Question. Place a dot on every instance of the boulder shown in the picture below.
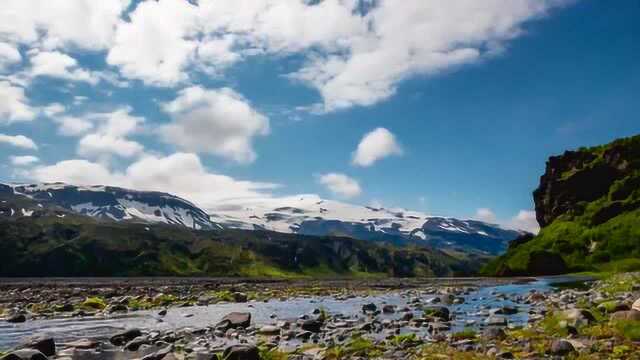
(311, 325)
(493, 333)
(235, 320)
(17, 318)
(388, 309)
(122, 338)
(241, 352)
(561, 348)
(369, 308)
(269, 330)
(578, 317)
(160, 354)
(25, 354)
(629, 315)
(441, 312)
(636, 305)
(44, 344)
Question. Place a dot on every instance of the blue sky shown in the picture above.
(269, 99)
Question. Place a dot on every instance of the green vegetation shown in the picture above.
(80, 246)
(94, 303)
(465, 334)
(601, 234)
(356, 347)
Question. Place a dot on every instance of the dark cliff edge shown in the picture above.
(588, 206)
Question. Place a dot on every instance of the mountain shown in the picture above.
(39, 238)
(302, 215)
(108, 203)
(311, 215)
(588, 205)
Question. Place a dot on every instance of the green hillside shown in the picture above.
(588, 203)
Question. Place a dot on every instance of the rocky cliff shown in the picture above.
(588, 205)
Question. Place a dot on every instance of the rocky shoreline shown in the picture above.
(598, 320)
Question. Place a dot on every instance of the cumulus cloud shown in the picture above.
(86, 24)
(14, 105)
(150, 48)
(58, 65)
(374, 146)
(25, 160)
(486, 215)
(523, 220)
(340, 184)
(215, 121)
(9, 55)
(19, 141)
(110, 136)
(181, 174)
(72, 126)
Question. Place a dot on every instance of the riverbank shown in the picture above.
(336, 319)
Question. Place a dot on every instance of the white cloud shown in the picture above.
(525, 220)
(374, 146)
(110, 137)
(54, 109)
(341, 185)
(87, 24)
(13, 104)
(414, 37)
(219, 122)
(23, 160)
(181, 174)
(58, 65)
(486, 215)
(20, 141)
(72, 126)
(9, 55)
(153, 49)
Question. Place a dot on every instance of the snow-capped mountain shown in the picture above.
(113, 203)
(311, 215)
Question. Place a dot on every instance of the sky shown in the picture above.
(450, 108)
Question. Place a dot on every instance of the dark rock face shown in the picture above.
(583, 176)
(546, 263)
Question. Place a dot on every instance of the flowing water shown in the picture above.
(471, 313)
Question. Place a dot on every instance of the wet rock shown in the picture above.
(160, 354)
(241, 352)
(117, 308)
(369, 308)
(388, 309)
(162, 312)
(44, 344)
(25, 354)
(135, 344)
(82, 344)
(122, 338)
(505, 310)
(17, 318)
(312, 325)
(496, 320)
(235, 320)
(636, 305)
(578, 317)
(269, 330)
(441, 312)
(629, 315)
(561, 347)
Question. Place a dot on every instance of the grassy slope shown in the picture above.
(80, 246)
(585, 242)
